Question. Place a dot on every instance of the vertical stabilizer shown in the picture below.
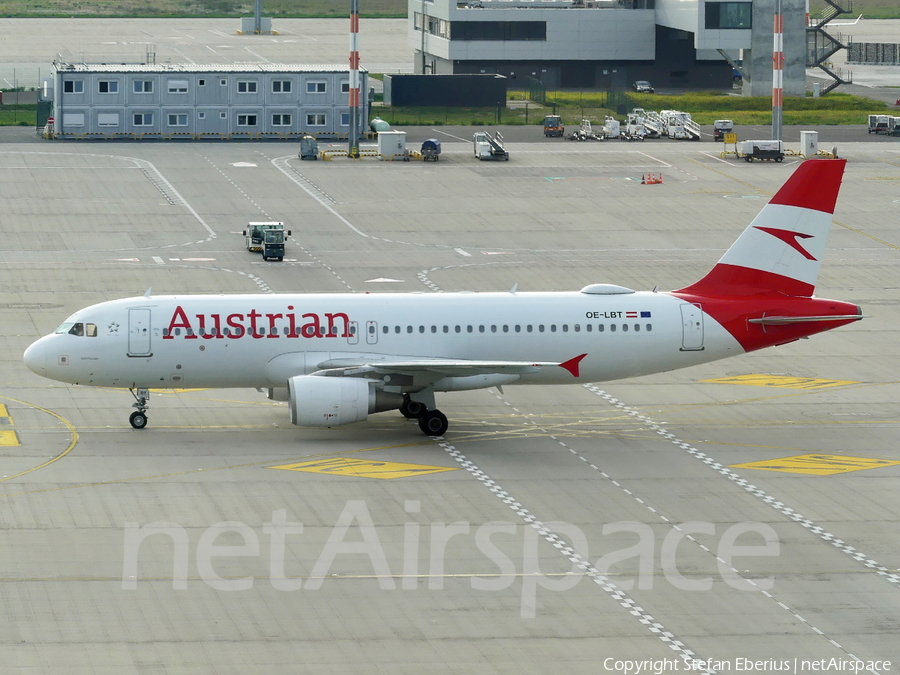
(780, 250)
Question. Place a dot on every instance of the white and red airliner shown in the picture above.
(336, 358)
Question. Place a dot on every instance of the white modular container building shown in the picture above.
(170, 101)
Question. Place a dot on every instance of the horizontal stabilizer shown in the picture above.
(783, 320)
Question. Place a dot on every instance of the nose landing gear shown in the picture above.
(138, 418)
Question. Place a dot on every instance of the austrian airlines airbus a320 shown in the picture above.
(336, 358)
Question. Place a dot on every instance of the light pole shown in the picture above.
(353, 144)
(777, 72)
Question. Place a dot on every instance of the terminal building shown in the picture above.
(201, 101)
(608, 44)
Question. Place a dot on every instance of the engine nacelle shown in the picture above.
(317, 401)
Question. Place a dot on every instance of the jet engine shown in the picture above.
(320, 401)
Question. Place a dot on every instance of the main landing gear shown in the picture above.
(431, 422)
(138, 418)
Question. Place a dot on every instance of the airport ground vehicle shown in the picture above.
(431, 150)
(488, 147)
(895, 126)
(267, 238)
(761, 150)
(642, 87)
(309, 147)
(553, 126)
(881, 124)
(722, 127)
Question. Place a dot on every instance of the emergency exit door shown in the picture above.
(139, 332)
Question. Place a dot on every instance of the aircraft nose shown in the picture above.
(35, 357)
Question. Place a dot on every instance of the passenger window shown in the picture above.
(409, 329)
(480, 329)
(469, 329)
(446, 329)
(541, 328)
(589, 327)
(166, 331)
(624, 327)
(529, 328)
(565, 328)
(434, 329)
(518, 328)
(384, 329)
(552, 327)
(421, 329)
(612, 327)
(649, 327)
(577, 328)
(600, 328)
(458, 329)
(505, 328)
(637, 327)
(493, 329)
(396, 329)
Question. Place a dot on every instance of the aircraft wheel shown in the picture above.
(433, 423)
(138, 420)
(411, 409)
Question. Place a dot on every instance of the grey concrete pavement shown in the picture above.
(446, 581)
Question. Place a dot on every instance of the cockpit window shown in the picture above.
(79, 329)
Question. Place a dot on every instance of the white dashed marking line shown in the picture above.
(753, 584)
(603, 582)
(816, 529)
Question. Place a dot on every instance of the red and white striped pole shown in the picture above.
(353, 145)
(777, 73)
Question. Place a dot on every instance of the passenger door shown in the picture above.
(139, 332)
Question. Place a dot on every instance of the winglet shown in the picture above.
(572, 364)
(514, 288)
(147, 294)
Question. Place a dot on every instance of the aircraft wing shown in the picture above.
(429, 368)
